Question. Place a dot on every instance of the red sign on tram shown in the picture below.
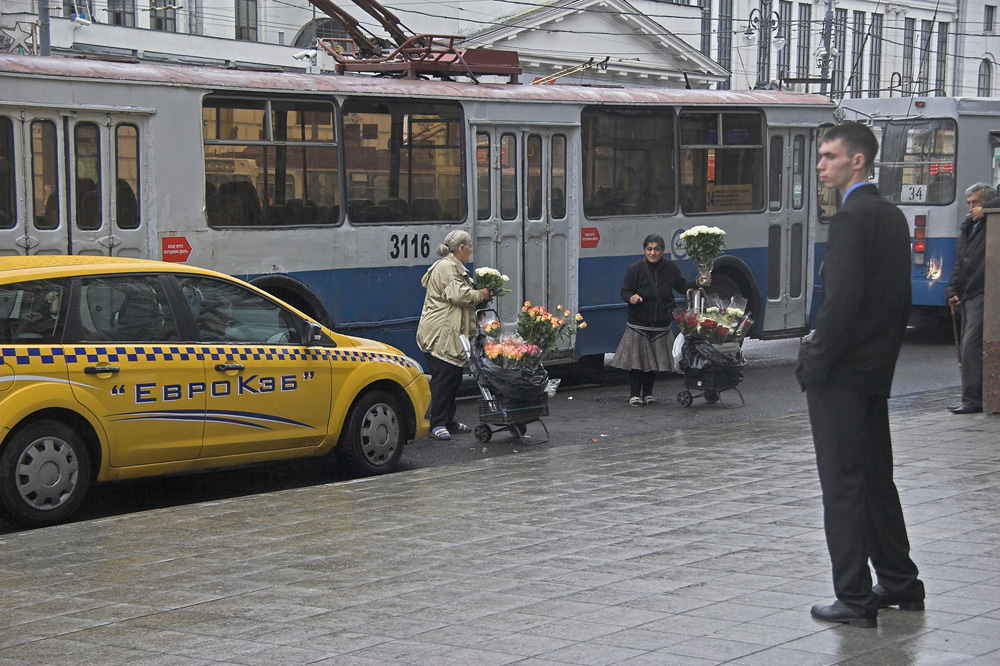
(589, 237)
(174, 249)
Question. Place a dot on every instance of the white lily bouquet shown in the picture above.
(492, 279)
(703, 245)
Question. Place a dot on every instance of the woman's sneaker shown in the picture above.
(635, 401)
(650, 400)
(440, 432)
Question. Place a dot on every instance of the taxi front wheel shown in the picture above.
(44, 473)
(372, 439)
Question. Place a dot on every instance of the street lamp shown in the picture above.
(764, 21)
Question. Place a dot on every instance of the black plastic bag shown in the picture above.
(523, 384)
(701, 354)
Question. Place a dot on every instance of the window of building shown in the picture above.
(875, 55)
(317, 28)
(725, 35)
(941, 73)
(162, 16)
(270, 162)
(246, 20)
(909, 28)
(121, 12)
(985, 86)
(628, 163)
(989, 18)
(803, 56)
(923, 75)
(857, 82)
(785, 32)
(722, 162)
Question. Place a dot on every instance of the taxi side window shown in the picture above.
(31, 312)
(226, 312)
(132, 308)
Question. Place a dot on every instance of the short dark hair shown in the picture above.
(856, 137)
(654, 238)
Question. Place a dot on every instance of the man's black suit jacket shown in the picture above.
(866, 298)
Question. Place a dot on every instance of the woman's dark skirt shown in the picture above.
(645, 351)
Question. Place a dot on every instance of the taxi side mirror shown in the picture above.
(313, 333)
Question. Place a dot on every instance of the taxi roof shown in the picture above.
(36, 266)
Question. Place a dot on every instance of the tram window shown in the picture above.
(916, 164)
(798, 171)
(776, 170)
(483, 189)
(557, 195)
(508, 177)
(722, 160)
(7, 198)
(271, 163)
(533, 179)
(127, 193)
(774, 262)
(795, 261)
(628, 163)
(87, 151)
(404, 160)
(44, 174)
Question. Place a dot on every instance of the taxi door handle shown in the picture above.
(225, 367)
(100, 369)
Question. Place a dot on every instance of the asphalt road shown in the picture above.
(589, 406)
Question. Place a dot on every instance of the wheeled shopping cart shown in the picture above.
(709, 369)
(497, 409)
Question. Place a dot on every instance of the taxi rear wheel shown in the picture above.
(44, 473)
(373, 437)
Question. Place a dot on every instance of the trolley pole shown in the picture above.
(44, 37)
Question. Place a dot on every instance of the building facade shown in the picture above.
(846, 48)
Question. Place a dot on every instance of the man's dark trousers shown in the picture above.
(972, 352)
(861, 510)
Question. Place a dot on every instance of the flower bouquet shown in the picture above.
(703, 244)
(722, 321)
(541, 328)
(490, 278)
(510, 352)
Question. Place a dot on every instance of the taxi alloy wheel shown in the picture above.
(45, 470)
(373, 437)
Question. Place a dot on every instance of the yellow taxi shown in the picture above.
(121, 368)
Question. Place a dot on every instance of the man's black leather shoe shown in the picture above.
(841, 612)
(887, 598)
(967, 410)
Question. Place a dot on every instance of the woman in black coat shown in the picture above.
(646, 347)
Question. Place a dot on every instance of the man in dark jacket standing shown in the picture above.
(846, 370)
(965, 288)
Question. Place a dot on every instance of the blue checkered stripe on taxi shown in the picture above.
(120, 354)
(30, 355)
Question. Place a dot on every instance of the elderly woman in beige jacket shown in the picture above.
(449, 310)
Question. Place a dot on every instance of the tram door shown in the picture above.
(523, 223)
(790, 166)
(76, 184)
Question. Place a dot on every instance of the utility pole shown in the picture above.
(44, 36)
(827, 36)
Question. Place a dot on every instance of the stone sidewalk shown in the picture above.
(684, 548)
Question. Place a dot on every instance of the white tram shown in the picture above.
(333, 191)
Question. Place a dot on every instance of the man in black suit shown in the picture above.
(965, 288)
(846, 370)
